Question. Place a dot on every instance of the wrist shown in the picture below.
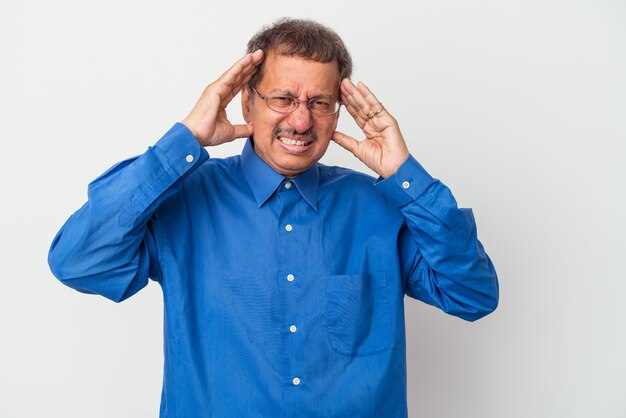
(191, 126)
(393, 168)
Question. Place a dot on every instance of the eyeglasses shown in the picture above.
(287, 104)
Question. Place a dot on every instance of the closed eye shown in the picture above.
(282, 101)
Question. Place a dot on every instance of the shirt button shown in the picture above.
(292, 328)
(288, 185)
(290, 277)
(288, 227)
(296, 381)
(189, 158)
(406, 184)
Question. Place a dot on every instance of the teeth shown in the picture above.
(289, 141)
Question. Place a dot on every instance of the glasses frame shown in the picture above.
(297, 101)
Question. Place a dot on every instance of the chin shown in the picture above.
(293, 168)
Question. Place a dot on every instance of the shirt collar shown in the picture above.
(264, 180)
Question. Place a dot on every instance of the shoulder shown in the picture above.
(214, 177)
(223, 165)
(352, 196)
(344, 182)
(216, 169)
(341, 176)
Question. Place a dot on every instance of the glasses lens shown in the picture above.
(323, 106)
(287, 104)
(283, 104)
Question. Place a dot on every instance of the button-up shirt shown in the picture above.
(283, 296)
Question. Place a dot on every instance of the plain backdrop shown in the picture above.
(518, 106)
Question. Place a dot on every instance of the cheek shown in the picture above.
(321, 146)
(326, 128)
(267, 123)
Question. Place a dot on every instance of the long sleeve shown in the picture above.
(107, 246)
(443, 263)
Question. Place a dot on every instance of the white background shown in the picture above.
(518, 106)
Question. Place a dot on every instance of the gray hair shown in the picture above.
(304, 38)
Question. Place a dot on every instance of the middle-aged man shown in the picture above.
(283, 279)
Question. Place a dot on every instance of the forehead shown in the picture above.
(297, 75)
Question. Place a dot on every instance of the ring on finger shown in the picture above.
(374, 113)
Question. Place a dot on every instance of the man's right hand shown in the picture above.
(208, 121)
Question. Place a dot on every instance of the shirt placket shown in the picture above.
(292, 236)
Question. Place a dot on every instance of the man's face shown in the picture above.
(273, 132)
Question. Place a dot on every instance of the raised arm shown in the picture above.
(107, 247)
(443, 262)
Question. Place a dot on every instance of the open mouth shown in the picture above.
(291, 141)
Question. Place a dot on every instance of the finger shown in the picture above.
(346, 86)
(232, 92)
(243, 131)
(241, 69)
(355, 98)
(227, 92)
(346, 142)
(375, 106)
(257, 56)
(358, 112)
(248, 62)
(369, 97)
(353, 112)
(366, 103)
(240, 77)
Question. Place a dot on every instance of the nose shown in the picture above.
(301, 119)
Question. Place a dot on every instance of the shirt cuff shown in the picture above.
(410, 181)
(180, 150)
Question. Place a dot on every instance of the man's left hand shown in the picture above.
(383, 150)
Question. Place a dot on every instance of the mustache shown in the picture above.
(292, 133)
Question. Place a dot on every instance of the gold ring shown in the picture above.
(374, 113)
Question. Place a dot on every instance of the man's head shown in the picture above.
(302, 60)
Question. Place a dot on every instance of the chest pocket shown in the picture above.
(357, 313)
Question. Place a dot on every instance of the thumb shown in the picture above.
(346, 142)
(242, 131)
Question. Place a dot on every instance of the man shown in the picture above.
(283, 279)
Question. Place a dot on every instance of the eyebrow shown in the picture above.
(283, 92)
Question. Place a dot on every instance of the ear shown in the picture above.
(246, 104)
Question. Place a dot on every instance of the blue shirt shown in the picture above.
(283, 297)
